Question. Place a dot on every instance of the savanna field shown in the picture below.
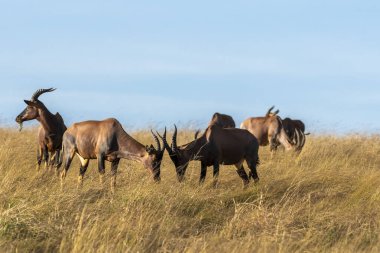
(327, 199)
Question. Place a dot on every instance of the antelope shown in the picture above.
(222, 120)
(229, 146)
(268, 130)
(50, 131)
(107, 141)
(295, 129)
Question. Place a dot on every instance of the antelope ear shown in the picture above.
(150, 149)
(32, 103)
(28, 102)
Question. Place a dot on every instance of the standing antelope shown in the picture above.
(49, 133)
(107, 141)
(268, 130)
(230, 146)
(295, 129)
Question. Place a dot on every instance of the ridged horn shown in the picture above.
(269, 111)
(303, 140)
(40, 92)
(174, 140)
(157, 141)
(297, 133)
(196, 134)
(166, 145)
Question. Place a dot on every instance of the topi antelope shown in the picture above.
(230, 146)
(107, 141)
(268, 130)
(222, 120)
(49, 133)
(295, 129)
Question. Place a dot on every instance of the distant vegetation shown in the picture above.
(325, 200)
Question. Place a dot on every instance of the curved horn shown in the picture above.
(303, 140)
(157, 141)
(40, 92)
(174, 140)
(270, 111)
(294, 137)
(196, 134)
(297, 142)
(166, 145)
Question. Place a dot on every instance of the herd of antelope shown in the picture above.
(220, 143)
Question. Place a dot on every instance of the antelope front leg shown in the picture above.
(101, 168)
(216, 174)
(272, 145)
(52, 160)
(39, 157)
(203, 173)
(82, 170)
(114, 167)
(46, 157)
(58, 161)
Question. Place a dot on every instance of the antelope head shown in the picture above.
(154, 158)
(177, 155)
(32, 110)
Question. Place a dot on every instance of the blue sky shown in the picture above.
(155, 63)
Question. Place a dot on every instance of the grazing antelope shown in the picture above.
(295, 129)
(268, 130)
(49, 133)
(222, 120)
(107, 141)
(230, 146)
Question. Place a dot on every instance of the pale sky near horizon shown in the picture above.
(156, 63)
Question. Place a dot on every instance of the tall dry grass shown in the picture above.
(325, 200)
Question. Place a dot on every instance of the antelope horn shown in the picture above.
(196, 134)
(174, 140)
(157, 141)
(303, 140)
(166, 145)
(297, 143)
(40, 92)
(270, 111)
(294, 137)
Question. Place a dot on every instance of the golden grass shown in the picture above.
(325, 200)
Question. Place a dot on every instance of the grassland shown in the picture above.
(325, 200)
